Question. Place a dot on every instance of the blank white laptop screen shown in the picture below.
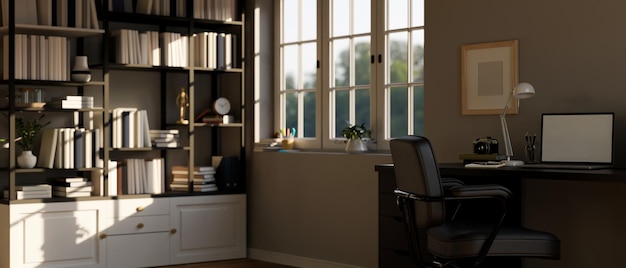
(577, 138)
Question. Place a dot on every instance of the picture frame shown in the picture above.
(488, 76)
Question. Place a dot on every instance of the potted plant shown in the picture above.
(27, 131)
(357, 136)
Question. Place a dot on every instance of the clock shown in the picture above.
(221, 106)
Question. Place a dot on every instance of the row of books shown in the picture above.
(37, 57)
(130, 128)
(66, 13)
(167, 138)
(151, 7)
(70, 148)
(221, 10)
(202, 180)
(134, 47)
(132, 176)
(71, 102)
(212, 50)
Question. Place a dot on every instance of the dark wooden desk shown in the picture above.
(393, 247)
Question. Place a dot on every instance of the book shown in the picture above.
(71, 194)
(48, 147)
(196, 188)
(197, 170)
(71, 179)
(21, 195)
(34, 188)
(86, 188)
(71, 184)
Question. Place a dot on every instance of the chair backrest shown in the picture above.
(416, 171)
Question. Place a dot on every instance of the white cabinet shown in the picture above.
(126, 232)
(56, 234)
(208, 228)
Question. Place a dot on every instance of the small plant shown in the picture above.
(353, 132)
(27, 131)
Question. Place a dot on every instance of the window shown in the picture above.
(350, 65)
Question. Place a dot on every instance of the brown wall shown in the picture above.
(573, 52)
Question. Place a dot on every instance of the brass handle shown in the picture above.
(140, 225)
(173, 231)
(140, 209)
(103, 236)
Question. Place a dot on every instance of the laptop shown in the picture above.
(576, 141)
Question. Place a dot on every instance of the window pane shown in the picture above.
(362, 63)
(398, 59)
(418, 55)
(290, 20)
(309, 65)
(362, 17)
(291, 110)
(417, 13)
(362, 109)
(398, 111)
(290, 67)
(342, 111)
(341, 18)
(309, 115)
(418, 111)
(397, 14)
(309, 20)
(341, 60)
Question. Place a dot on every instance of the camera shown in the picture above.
(486, 145)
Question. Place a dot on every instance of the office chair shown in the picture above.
(451, 242)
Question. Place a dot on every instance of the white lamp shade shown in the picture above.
(524, 91)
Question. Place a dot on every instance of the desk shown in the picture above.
(393, 249)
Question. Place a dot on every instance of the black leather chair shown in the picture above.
(439, 241)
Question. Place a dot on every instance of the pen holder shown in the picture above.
(530, 154)
(287, 144)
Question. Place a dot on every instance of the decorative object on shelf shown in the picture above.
(521, 91)
(27, 132)
(80, 71)
(357, 136)
(221, 106)
(31, 98)
(182, 102)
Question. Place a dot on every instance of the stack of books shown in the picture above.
(203, 179)
(31, 191)
(72, 187)
(71, 102)
(168, 138)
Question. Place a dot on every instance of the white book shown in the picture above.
(144, 6)
(145, 129)
(62, 9)
(58, 154)
(143, 48)
(43, 57)
(44, 12)
(68, 148)
(78, 13)
(112, 180)
(88, 148)
(94, 15)
(25, 12)
(156, 50)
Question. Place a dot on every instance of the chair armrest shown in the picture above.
(449, 183)
(482, 191)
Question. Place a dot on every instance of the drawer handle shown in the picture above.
(103, 236)
(140, 209)
(140, 225)
(173, 231)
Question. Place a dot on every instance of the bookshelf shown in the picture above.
(120, 220)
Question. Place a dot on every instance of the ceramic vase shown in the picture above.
(27, 159)
(356, 146)
(80, 71)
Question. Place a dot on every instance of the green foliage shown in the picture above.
(353, 132)
(27, 131)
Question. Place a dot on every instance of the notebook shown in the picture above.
(576, 141)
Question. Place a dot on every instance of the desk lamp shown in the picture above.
(521, 91)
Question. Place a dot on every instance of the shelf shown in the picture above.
(59, 110)
(218, 125)
(171, 21)
(51, 30)
(52, 83)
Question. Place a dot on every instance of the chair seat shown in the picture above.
(454, 240)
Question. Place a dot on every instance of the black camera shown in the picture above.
(486, 145)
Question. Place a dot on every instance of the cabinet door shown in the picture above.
(57, 234)
(138, 250)
(208, 228)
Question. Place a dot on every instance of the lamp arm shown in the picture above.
(505, 129)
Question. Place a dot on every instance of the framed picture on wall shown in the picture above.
(488, 76)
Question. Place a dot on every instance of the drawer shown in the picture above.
(143, 224)
(392, 233)
(140, 250)
(123, 208)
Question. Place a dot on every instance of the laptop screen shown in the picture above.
(577, 138)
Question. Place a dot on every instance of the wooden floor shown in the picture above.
(243, 263)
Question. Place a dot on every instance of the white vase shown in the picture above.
(356, 146)
(80, 71)
(27, 159)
